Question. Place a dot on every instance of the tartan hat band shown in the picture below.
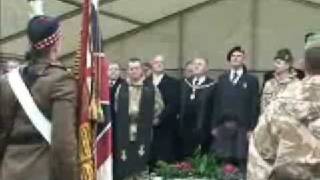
(48, 41)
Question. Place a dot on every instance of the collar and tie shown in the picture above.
(112, 82)
(196, 82)
(199, 80)
(235, 77)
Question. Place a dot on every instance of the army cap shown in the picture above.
(285, 55)
(313, 41)
(43, 31)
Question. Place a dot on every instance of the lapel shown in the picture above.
(207, 81)
(118, 81)
(243, 81)
(240, 81)
(226, 77)
(162, 82)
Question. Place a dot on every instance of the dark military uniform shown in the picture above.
(25, 154)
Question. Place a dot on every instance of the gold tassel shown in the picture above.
(76, 66)
(93, 109)
(100, 114)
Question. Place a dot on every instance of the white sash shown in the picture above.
(40, 122)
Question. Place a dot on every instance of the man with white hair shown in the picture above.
(164, 133)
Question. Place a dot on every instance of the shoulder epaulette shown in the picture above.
(60, 66)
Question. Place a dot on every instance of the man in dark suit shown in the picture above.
(164, 133)
(196, 109)
(237, 97)
(114, 81)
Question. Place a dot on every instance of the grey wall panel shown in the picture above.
(212, 30)
(207, 31)
(14, 14)
(18, 46)
(148, 10)
(283, 23)
(159, 39)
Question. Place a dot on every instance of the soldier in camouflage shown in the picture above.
(284, 74)
(286, 142)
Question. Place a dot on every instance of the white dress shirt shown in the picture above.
(200, 80)
(157, 79)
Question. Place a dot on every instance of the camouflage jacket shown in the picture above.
(288, 134)
(273, 87)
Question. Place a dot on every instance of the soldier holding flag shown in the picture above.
(37, 115)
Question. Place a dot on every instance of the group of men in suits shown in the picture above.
(219, 115)
(199, 112)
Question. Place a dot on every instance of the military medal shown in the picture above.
(193, 94)
(141, 151)
(133, 131)
(123, 155)
(245, 85)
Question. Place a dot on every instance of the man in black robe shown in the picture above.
(138, 104)
(196, 109)
(164, 133)
(236, 110)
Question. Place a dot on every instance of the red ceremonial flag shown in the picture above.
(95, 132)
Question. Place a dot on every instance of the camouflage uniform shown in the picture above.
(288, 134)
(273, 87)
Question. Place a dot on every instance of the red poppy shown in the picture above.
(230, 169)
(184, 166)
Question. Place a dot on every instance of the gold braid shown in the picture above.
(76, 65)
